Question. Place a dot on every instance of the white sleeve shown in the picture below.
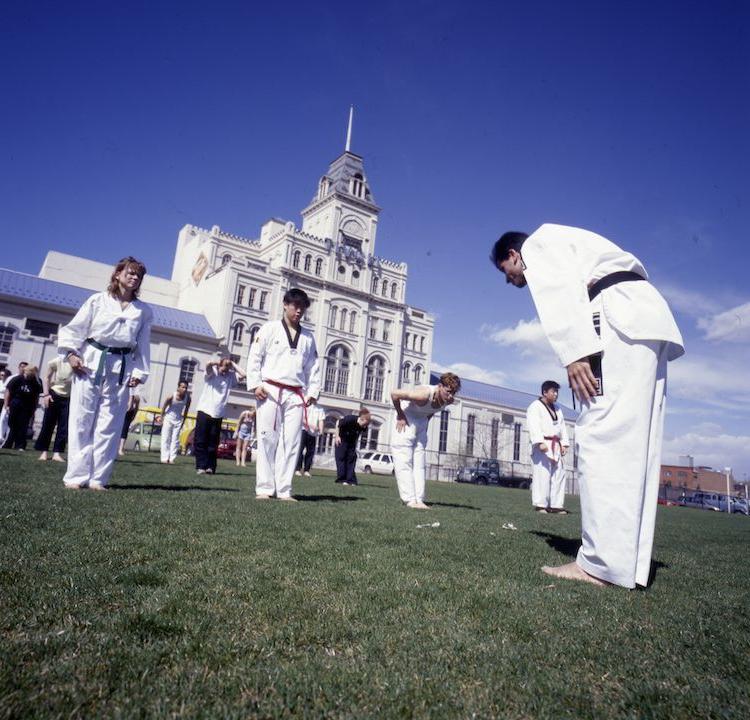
(560, 295)
(533, 424)
(142, 353)
(72, 336)
(312, 372)
(255, 358)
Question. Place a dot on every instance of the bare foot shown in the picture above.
(43, 456)
(262, 497)
(58, 458)
(416, 505)
(288, 499)
(573, 571)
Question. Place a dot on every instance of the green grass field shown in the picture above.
(176, 595)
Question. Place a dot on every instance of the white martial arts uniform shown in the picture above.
(618, 434)
(408, 447)
(4, 429)
(98, 402)
(547, 425)
(279, 418)
(171, 423)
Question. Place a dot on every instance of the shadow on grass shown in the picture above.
(173, 488)
(453, 505)
(328, 498)
(563, 545)
(656, 565)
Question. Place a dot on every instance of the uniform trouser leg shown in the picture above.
(170, 439)
(174, 445)
(619, 444)
(541, 479)
(403, 464)
(557, 486)
(278, 429)
(96, 416)
(200, 440)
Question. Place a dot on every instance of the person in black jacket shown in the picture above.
(21, 398)
(348, 430)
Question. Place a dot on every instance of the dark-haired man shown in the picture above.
(549, 443)
(283, 372)
(348, 430)
(614, 333)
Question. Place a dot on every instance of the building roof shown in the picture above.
(495, 395)
(22, 286)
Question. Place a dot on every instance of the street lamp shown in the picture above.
(728, 472)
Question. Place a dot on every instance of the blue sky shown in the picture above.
(123, 123)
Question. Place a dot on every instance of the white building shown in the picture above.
(224, 286)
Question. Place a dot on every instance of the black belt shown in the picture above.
(613, 279)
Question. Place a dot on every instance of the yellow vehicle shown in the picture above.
(151, 414)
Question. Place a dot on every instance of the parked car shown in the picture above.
(714, 501)
(144, 436)
(486, 472)
(228, 446)
(378, 463)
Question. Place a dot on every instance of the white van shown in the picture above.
(375, 462)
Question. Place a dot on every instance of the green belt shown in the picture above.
(103, 359)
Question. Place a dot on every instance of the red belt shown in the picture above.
(297, 390)
(555, 441)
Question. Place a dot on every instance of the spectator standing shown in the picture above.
(244, 434)
(348, 430)
(21, 399)
(5, 376)
(56, 401)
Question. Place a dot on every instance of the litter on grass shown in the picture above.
(509, 526)
(435, 524)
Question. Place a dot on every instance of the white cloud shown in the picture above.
(714, 449)
(689, 302)
(473, 372)
(527, 336)
(716, 380)
(732, 325)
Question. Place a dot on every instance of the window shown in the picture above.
(369, 439)
(386, 330)
(40, 328)
(358, 185)
(318, 266)
(337, 370)
(342, 270)
(251, 297)
(240, 294)
(394, 290)
(517, 441)
(406, 373)
(308, 262)
(414, 339)
(187, 370)
(237, 331)
(494, 432)
(332, 316)
(355, 278)
(406, 340)
(373, 328)
(263, 297)
(443, 440)
(471, 421)
(343, 319)
(374, 288)
(353, 322)
(375, 378)
(295, 258)
(507, 419)
(385, 288)
(421, 344)
(253, 333)
(226, 259)
(417, 374)
(6, 338)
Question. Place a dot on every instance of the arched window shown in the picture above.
(323, 187)
(237, 330)
(187, 370)
(337, 370)
(353, 322)
(374, 290)
(417, 374)
(343, 319)
(406, 373)
(369, 438)
(308, 262)
(394, 290)
(318, 266)
(421, 344)
(226, 259)
(333, 312)
(295, 258)
(375, 378)
(358, 185)
(384, 292)
(253, 332)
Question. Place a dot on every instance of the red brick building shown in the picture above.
(696, 478)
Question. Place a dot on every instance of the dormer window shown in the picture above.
(358, 185)
(323, 186)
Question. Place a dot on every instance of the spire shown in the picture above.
(349, 129)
